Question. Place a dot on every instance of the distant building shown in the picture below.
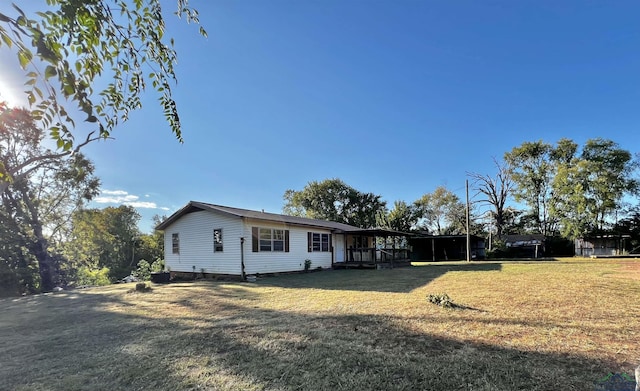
(445, 247)
(601, 245)
(525, 246)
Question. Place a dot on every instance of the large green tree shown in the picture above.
(41, 198)
(334, 200)
(70, 45)
(590, 185)
(532, 171)
(441, 212)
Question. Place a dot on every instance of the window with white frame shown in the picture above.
(175, 243)
(271, 239)
(217, 240)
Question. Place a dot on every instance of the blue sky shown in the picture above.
(393, 97)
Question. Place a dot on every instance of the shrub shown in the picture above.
(498, 250)
(157, 265)
(143, 272)
(89, 276)
(307, 265)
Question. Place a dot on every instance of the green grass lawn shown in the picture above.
(558, 325)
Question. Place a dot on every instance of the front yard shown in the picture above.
(558, 325)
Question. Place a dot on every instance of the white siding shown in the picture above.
(273, 262)
(196, 243)
(195, 232)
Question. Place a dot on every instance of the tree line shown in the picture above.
(440, 212)
(560, 190)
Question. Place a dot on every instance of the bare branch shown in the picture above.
(496, 191)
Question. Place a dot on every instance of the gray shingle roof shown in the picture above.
(193, 206)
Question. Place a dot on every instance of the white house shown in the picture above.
(216, 239)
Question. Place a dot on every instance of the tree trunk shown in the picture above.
(40, 247)
(499, 224)
(45, 265)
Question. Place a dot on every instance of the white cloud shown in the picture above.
(122, 197)
(142, 204)
(116, 199)
(115, 192)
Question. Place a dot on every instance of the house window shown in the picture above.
(175, 243)
(217, 240)
(270, 239)
(318, 242)
(278, 240)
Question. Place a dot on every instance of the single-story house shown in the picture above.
(445, 247)
(221, 240)
(601, 245)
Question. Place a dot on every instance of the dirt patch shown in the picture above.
(630, 270)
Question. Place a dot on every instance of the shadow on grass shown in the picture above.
(93, 341)
(526, 260)
(399, 280)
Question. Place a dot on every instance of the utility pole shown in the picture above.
(468, 224)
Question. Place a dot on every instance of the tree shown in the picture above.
(591, 186)
(38, 203)
(334, 200)
(69, 46)
(402, 217)
(18, 267)
(532, 171)
(515, 221)
(496, 191)
(441, 212)
(151, 246)
(105, 238)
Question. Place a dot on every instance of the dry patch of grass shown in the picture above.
(630, 270)
(521, 326)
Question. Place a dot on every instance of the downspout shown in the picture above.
(244, 276)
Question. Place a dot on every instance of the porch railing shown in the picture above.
(376, 255)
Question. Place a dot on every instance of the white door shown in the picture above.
(338, 247)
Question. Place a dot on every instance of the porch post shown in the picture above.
(433, 249)
(375, 252)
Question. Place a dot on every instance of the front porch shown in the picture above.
(372, 258)
(374, 248)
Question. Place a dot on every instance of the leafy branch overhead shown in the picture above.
(70, 45)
